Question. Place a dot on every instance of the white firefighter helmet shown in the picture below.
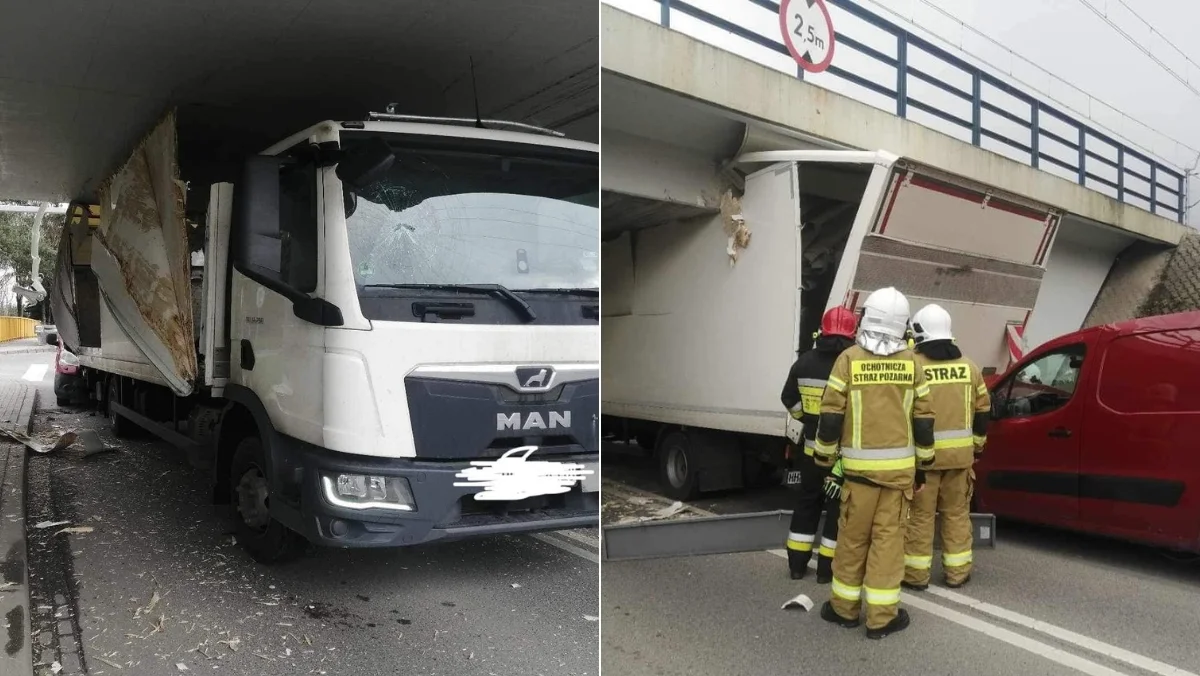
(884, 324)
(931, 322)
(886, 312)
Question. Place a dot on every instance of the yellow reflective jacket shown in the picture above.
(960, 398)
(868, 413)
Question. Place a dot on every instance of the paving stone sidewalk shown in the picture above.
(16, 411)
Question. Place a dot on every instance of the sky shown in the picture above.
(1058, 50)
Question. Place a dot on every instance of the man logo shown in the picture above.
(534, 377)
(533, 421)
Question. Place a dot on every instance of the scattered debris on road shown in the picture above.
(801, 601)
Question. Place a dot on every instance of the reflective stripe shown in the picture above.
(955, 560)
(797, 415)
(925, 454)
(828, 547)
(824, 449)
(844, 591)
(918, 562)
(965, 442)
(923, 391)
(811, 382)
(836, 383)
(979, 441)
(981, 390)
(908, 407)
(952, 439)
(798, 407)
(882, 597)
(800, 542)
(851, 453)
(810, 446)
(968, 409)
(880, 465)
(951, 434)
(856, 415)
(878, 459)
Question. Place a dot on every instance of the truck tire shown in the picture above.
(678, 467)
(121, 428)
(267, 540)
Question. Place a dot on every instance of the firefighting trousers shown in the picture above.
(802, 538)
(948, 492)
(870, 552)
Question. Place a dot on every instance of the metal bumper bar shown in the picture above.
(730, 534)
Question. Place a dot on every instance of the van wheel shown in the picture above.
(121, 427)
(678, 467)
(267, 540)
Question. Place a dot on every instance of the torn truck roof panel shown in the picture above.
(140, 257)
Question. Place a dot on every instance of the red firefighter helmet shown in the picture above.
(839, 321)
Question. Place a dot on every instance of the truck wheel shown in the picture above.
(267, 540)
(678, 467)
(121, 428)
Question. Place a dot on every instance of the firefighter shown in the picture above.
(802, 397)
(877, 421)
(962, 407)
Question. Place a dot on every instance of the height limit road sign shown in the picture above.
(807, 32)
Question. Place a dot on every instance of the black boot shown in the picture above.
(898, 623)
(824, 570)
(799, 574)
(830, 615)
(798, 563)
(914, 587)
(960, 584)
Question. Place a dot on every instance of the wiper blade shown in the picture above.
(595, 293)
(498, 290)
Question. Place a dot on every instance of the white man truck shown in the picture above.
(704, 317)
(341, 327)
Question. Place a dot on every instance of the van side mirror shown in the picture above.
(366, 163)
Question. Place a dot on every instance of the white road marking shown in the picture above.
(566, 547)
(579, 537)
(36, 372)
(999, 633)
(1133, 659)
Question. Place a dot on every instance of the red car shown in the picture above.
(69, 387)
(1099, 431)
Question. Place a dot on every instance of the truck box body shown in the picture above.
(356, 330)
(693, 339)
(1095, 431)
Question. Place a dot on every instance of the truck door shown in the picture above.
(1030, 468)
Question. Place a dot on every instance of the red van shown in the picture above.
(1099, 431)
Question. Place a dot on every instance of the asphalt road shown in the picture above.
(158, 583)
(1042, 602)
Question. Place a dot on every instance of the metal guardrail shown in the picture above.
(13, 328)
(1082, 150)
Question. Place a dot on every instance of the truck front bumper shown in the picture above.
(441, 510)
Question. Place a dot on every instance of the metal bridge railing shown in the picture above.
(1048, 138)
(12, 328)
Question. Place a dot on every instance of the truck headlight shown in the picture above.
(368, 491)
(68, 359)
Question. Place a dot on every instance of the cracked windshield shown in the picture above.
(525, 219)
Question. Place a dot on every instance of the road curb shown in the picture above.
(16, 658)
(28, 350)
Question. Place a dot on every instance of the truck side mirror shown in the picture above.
(258, 245)
(366, 163)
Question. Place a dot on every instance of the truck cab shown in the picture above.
(383, 309)
(1093, 431)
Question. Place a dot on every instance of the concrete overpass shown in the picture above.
(82, 80)
(677, 109)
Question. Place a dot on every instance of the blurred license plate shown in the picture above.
(793, 478)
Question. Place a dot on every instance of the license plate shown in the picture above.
(793, 478)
